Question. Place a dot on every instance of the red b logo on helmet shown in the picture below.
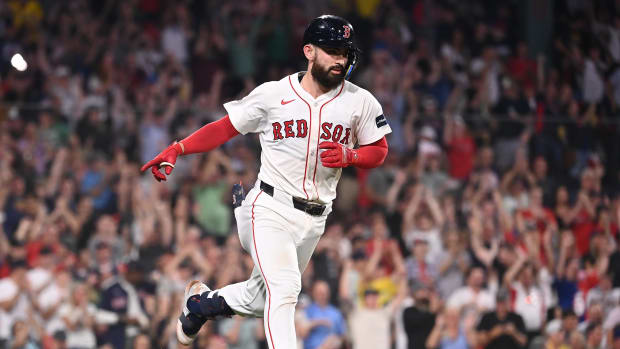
(347, 31)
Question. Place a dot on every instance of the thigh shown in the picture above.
(306, 248)
(272, 247)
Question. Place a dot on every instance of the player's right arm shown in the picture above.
(244, 116)
(204, 139)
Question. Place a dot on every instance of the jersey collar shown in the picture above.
(324, 97)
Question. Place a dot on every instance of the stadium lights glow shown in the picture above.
(18, 62)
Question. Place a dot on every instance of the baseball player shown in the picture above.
(309, 123)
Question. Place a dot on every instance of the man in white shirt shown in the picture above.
(529, 299)
(13, 301)
(472, 294)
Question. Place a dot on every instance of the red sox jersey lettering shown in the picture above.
(302, 131)
(291, 124)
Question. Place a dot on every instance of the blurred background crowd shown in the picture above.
(492, 224)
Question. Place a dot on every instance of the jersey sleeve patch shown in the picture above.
(381, 121)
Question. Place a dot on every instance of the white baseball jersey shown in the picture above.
(292, 123)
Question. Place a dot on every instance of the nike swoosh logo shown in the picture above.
(283, 102)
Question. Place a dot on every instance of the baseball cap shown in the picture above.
(503, 294)
(616, 331)
(568, 313)
(419, 286)
(136, 266)
(186, 263)
(62, 71)
(371, 291)
(18, 263)
(101, 245)
(553, 326)
(358, 255)
(428, 132)
(46, 250)
(60, 335)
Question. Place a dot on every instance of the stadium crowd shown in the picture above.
(492, 224)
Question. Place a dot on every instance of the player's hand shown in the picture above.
(167, 158)
(336, 155)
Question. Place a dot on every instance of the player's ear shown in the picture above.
(309, 52)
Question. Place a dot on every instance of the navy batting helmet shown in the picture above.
(333, 31)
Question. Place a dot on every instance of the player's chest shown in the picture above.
(296, 119)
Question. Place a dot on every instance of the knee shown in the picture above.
(285, 291)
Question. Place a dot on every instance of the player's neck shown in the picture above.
(310, 85)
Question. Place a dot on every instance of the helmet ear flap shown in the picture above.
(352, 62)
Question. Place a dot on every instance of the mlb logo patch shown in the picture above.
(380, 120)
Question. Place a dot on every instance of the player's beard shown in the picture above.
(323, 75)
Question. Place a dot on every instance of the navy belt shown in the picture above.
(310, 208)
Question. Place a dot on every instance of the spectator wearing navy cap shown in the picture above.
(501, 328)
(615, 336)
(419, 319)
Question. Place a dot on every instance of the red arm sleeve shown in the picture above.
(371, 155)
(209, 136)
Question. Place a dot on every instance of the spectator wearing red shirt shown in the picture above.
(460, 147)
(539, 220)
(522, 68)
(585, 208)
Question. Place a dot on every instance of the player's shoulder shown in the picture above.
(271, 88)
(268, 87)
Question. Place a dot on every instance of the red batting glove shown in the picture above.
(337, 155)
(167, 158)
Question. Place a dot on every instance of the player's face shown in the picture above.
(328, 66)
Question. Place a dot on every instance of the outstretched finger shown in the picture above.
(149, 164)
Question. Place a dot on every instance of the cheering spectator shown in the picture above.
(449, 333)
(241, 333)
(326, 327)
(419, 270)
(501, 328)
(461, 147)
(452, 265)
(472, 294)
(529, 298)
(370, 323)
(567, 268)
(594, 336)
(13, 303)
(419, 319)
(89, 250)
(422, 220)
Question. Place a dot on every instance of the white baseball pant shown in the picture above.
(281, 240)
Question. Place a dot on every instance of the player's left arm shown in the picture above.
(369, 127)
(366, 156)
